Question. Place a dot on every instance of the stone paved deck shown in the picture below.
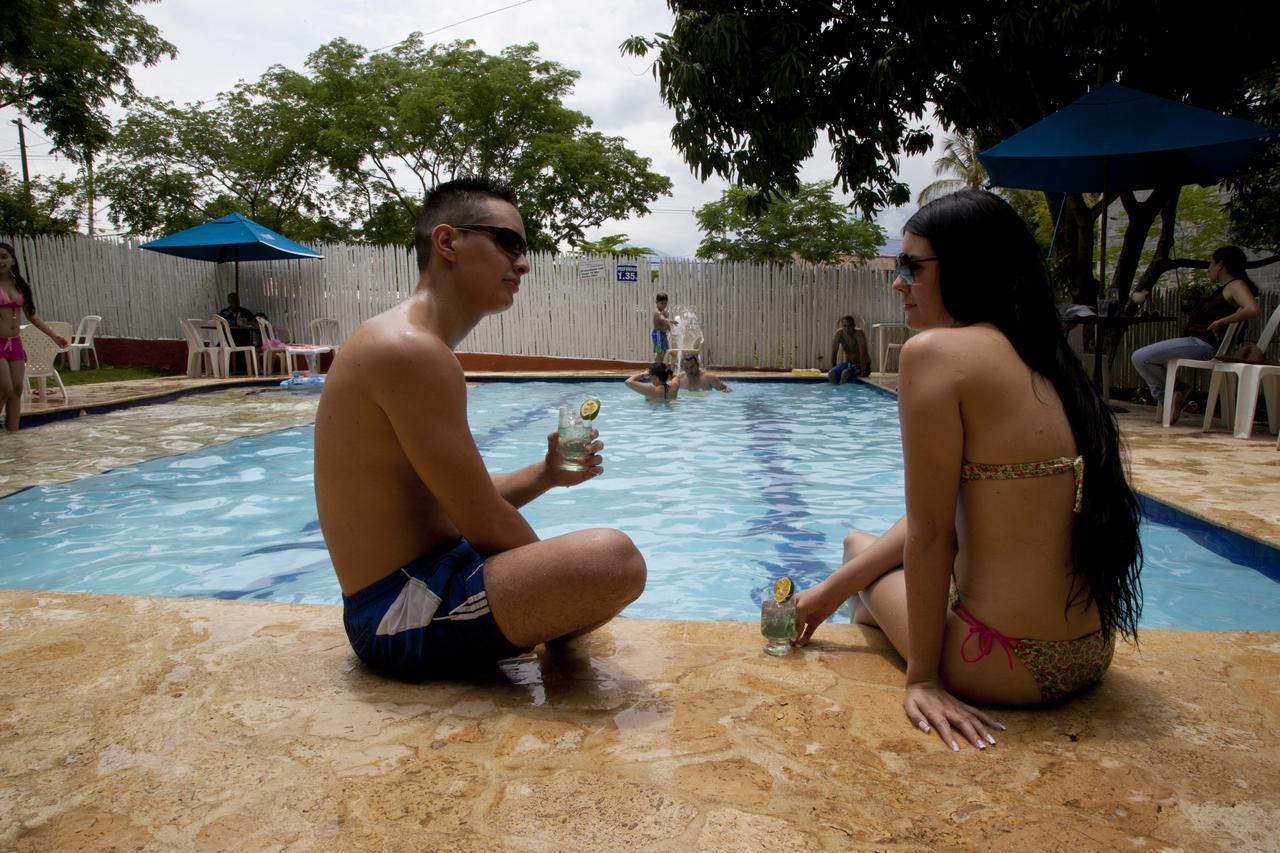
(171, 724)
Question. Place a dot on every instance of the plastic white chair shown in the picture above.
(1172, 367)
(41, 351)
(83, 341)
(1249, 379)
(885, 347)
(270, 353)
(227, 346)
(325, 332)
(200, 356)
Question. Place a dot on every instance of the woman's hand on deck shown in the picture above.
(813, 607)
(930, 707)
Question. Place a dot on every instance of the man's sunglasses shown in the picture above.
(907, 266)
(508, 240)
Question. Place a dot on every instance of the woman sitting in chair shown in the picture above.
(1235, 299)
(16, 299)
(1017, 562)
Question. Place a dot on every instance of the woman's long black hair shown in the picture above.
(659, 371)
(28, 300)
(1233, 258)
(991, 271)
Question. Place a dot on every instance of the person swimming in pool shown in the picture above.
(440, 573)
(694, 378)
(1018, 560)
(655, 383)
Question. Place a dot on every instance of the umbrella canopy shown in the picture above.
(231, 238)
(1116, 138)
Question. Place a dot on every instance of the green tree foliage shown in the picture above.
(754, 83)
(1255, 200)
(172, 167)
(50, 210)
(808, 224)
(62, 61)
(393, 124)
(612, 244)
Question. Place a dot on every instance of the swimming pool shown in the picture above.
(721, 492)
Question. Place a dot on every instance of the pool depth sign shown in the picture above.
(628, 272)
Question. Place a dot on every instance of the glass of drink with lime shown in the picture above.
(575, 434)
(778, 617)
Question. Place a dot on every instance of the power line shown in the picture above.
(459, 23)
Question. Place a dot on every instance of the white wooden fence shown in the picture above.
(573, 306)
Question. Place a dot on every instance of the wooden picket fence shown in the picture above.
(751, 315)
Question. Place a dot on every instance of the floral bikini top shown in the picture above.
(1026, 470)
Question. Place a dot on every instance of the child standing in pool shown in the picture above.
(662, 323)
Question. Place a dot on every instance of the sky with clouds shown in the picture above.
(221, 43)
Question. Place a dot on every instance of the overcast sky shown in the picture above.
(221, 43)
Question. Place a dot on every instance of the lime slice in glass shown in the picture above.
(783, 589)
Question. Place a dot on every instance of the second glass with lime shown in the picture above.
(778, 617)
(575, 434)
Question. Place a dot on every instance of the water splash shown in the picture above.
(687, 335)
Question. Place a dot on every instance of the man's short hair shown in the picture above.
(455, 203)
(849, 319)
(661, 297)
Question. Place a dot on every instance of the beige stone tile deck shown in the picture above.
(167, 724)
(172, 724)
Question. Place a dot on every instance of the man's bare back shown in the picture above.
(422, 537)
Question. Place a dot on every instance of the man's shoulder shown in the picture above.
(391, 343)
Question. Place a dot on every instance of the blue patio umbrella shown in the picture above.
(232, 238)
(1116, 138)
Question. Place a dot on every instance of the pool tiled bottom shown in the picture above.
(160, 724)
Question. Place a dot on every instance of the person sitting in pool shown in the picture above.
(694, 378)
(655, 383)
(857, 358)
(1015, 488)
(440, 573)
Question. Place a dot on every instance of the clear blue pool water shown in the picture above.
(721, 492)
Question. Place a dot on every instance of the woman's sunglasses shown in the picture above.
(907, 266)
(508, 240)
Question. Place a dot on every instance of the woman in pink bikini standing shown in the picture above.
(1018, 560)
(15, 300)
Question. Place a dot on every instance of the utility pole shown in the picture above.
(26, 174)
(88, 170)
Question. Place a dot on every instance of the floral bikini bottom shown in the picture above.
(1059, 667)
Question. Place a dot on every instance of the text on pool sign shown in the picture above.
(628, 272)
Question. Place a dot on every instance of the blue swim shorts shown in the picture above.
(845, 365)
(428, 620)
(659, 339)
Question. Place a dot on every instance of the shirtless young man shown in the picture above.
(694, 378)
(441, 575)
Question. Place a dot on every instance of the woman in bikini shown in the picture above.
(15, 300)
(655, 383)
(1017, 562)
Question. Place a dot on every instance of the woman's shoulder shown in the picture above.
(967, 340)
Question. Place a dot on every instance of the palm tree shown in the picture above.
(959, 158)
